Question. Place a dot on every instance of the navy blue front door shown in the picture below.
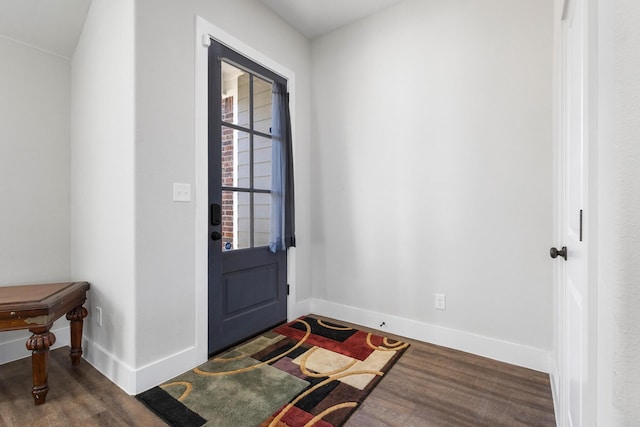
(247, 282)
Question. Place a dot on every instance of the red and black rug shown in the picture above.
(305, 373)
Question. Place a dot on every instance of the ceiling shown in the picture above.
(314, 18)
(55, 25)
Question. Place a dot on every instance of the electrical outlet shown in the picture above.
(99, 316)
(441, 302)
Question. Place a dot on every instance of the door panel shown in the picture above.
(246, 305)
(573, 216)
(247, 282)
(238, 289)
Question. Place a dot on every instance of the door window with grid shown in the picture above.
(246, 158)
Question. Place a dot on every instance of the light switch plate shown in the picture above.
(181, 192)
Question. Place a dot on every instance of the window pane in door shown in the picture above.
(236, 220)
(235, 158)
(262, 163)
(243, 220)
(228, 220)
(235, 95)
(261, 105)
(262, 219)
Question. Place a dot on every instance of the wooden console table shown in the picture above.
(36, 307)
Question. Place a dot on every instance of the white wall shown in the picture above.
(432, 172)
(102, 183)
(618, 381)
(34, 165)
(34, 171)
(431, 169)
(166, 288)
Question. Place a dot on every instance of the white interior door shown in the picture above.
(573, 218)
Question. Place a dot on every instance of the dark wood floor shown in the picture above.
(78, 396)
(429, 386)
(437, 386)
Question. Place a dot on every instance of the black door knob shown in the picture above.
(562, 252)
(216, 236)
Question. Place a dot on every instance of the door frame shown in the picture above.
(204, 32)
(559, 371)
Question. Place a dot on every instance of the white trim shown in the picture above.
(554, 379)
(32, 46)
(300, 308)
(206, 29)
(591, 398)
(201, 191)
(15, 349)
(503, 351)
(206, 40)
(123, 375)
(133, 381)
(168, 367)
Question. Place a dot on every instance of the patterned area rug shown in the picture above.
(305, 373)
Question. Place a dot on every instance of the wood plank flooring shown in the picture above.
(436, 386)
(429, 386)
(78, 396)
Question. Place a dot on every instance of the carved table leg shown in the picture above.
(75, 317)
(39, 344)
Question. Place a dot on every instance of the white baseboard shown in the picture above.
(300, 308)
(117, 371)
(162, 370)
(134, 381)
(110, 366)
(15, 349)
(555, 391)
(504, 351)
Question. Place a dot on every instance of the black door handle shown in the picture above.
(562, 252)
(216, 214)
(216, 236)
